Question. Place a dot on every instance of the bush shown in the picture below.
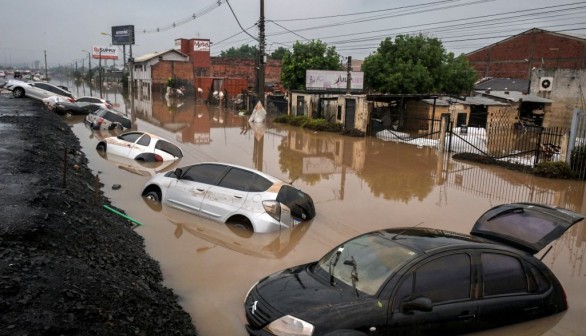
(554, 170)
(312, 124)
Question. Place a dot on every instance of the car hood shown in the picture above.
(296, 291)
(526, 226)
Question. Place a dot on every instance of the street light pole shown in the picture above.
(100, 70)
(89, 62)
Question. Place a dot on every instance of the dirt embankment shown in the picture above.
(67, 265)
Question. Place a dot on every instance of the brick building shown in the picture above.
(519, 55)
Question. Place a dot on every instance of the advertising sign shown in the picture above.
(99, 52)
(123, 35)
(332, 80)
(201, 45)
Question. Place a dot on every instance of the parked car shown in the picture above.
(103, 103)
(415, 281)
(232, 194)
(141, 146)
(138, 167)
(76, 108)
(107, 119)
(36, 90)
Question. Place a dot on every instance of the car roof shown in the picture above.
(152, 135)
(425, 240)
(265, 175)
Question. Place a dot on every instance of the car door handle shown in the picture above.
(199, 189)
(466, 316)
(237, 196)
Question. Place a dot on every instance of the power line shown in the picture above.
(185, 20)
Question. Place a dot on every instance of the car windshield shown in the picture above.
(364, 263)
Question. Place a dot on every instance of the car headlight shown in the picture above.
(289, 326)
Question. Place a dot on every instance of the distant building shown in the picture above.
(518, 56)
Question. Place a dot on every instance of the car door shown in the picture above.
(123, 144)
(140, 146)
(229, 195)
(37, 91)
(188, 190)
(509, 292)
(447, 281)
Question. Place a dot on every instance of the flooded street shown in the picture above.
(357, 184)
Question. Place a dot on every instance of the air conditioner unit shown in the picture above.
(545, 83)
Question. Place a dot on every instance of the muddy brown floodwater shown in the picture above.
(358, 185)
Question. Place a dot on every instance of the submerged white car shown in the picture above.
(232, 194)
(141, 146)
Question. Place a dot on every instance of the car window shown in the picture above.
(502, 274)
(443, 279)
(237, 179)
(204, 173)
(168, 147)
(365, 262)
(145, 140)
(259, 184)
(89, 100)
(130, 137)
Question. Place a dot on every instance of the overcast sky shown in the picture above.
(63, 28)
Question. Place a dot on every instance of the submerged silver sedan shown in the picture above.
(232, 194)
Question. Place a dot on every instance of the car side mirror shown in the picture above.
(178, 172)
(421, 303)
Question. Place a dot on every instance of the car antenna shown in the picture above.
(400, 233)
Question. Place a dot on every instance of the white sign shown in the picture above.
(332, 80)
(201, 45)
(177, 44)
(104, 52)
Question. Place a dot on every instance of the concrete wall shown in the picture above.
(565, 93)
(245, 68)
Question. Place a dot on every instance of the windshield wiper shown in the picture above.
(333, 263)
(354, 273)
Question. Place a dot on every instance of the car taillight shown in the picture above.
(100, 121)
(109, 106)
(71, 100)
(158, 158)
(273, 208)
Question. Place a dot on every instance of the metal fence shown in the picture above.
(512, 142)
(577, 143)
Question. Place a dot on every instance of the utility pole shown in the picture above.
(89, 62)
(349, 76)
(100, 69)
(46, 71)
(261, 54)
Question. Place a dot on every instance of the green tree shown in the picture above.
(416, 64)
(244, 51)
(279, 53)
(314, 55)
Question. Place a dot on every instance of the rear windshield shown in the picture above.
(169, 148)
(113, 117)
(300, 203)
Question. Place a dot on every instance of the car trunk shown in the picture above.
(526, 226)
(300, 203)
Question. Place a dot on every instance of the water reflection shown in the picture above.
(358, 184)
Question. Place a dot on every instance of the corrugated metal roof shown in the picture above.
(502, 84)
(445, 101)
(514, 96)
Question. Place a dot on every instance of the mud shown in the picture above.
(67, 265)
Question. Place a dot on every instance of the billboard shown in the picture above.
(123, 35)
(201, 45)
(332, 80)
(99, 52)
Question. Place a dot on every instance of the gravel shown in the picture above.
(68, 266)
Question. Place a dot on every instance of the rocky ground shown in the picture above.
(68, 266)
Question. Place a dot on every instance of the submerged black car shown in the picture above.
(416, 281)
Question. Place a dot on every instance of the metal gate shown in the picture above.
(577, 143)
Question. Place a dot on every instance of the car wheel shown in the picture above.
(18, 92)
(101, 147)
(153, 196)
(241, 226)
